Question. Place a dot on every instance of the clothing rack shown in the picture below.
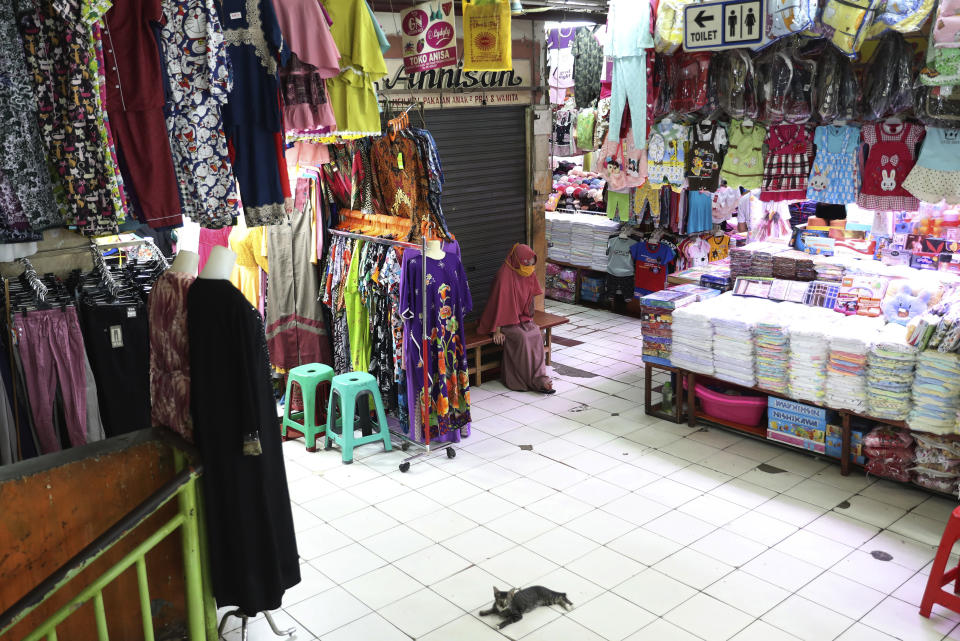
(422, 247)
(33, 279)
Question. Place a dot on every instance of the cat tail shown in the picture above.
(565, 602)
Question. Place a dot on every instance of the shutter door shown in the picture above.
(484, 156)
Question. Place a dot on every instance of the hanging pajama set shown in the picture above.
(198, 79)
(135, 104)
(252, 114)
(630, 36)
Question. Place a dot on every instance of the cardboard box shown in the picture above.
(835, 441)
(797, 424)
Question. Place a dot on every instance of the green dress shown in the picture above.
(743, 164)
(357, 324)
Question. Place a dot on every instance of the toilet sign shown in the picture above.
(729, 24)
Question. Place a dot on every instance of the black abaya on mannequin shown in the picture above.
(253, 548)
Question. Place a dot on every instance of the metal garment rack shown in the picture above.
(422, 248)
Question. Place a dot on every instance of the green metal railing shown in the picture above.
(200, 608)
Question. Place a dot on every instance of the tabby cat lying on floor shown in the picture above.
(512, 605)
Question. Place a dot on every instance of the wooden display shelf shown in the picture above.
(740, 427)
(656, 410)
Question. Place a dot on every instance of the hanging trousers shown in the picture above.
(630, 84)
(51, 347)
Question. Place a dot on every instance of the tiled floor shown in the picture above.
(655, 531)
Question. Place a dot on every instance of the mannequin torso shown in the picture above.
(219, 265)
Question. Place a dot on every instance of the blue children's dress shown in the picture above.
(835, 176)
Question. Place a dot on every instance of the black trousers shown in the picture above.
(117, 339)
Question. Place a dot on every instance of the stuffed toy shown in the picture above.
(905, 301)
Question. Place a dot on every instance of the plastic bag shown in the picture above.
(889, 80)
(690, 82)
(785, 17)
(946, 483)
(736, 85)
(887, 438)
(487, 41)
(891, 469)
(849, 22)
(837, 91)
(668, 32)
(786, 87)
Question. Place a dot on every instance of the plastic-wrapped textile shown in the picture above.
(837, 91)
(889, 78)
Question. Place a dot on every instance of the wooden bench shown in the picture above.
(476, 343)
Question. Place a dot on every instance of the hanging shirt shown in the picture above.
(629, 25)
(619, 258)
(708, 144)
(650, 273)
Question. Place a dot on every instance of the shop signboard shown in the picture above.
(454, 87)
(729, 24)
(429, 36)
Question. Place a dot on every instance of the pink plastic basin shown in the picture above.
(746, 410)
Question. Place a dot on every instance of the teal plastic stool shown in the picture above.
(307, 377)
(346, 389)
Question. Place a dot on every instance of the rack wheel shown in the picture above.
(451, 453)
(404, 466)
(404, 446)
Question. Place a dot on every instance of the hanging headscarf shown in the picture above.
(511, 298)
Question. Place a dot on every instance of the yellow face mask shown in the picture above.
(525, 270)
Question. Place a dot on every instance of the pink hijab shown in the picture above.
(511, 298)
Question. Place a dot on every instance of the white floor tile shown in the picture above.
(420, 613)
(559, 508)
(870, 511)
(680, 527)
(802, 464)
(629, 477)
(379, 489)
(328, 611)
(319, 540)
(408, 507)
(760, 452)
(451, 491)
(884, 576)
(469, 589)
(747, 593)
(662, 630)
(596, 492)
(644, 546)
(611, 616)
(860, 632)
(693, 568)
(854, 482)
(816, 549)
(726, 546)
(522, 491)
(807, 620)
(259, 630)
(518, 566)
(364, 523)
(716, 437)
(729, 463)
(896, 494)
(382, 587)
(849, 598)
(761, 631)
(441, 525)
(561, 545)
(790, 510)
(591, 462)
(479, 544)
(843, 529)
(312, 583)
(709, 618)
(483, 507)
(920, 528)
(654, 591)
(605, 567)
(819, 494)
(559, 424)
(777, 481)
(397, 543)
(530, 622)
(372, 626)
(700, 478)
(669, 492)
(559, 476)
(713, 510)
(335, 505)
(635, 508)
(499, 404)
(936, 508)
(348, 562)
(660, 462)
(521, 525)
(743, 493)
(761, 528)
(689, 450)
(558, 449)
(465, 627)
(906, 552)
(432, 564)
(562, 629)
(599, 526)
(589, 437)
(783, 570)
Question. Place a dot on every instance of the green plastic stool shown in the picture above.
(347, 388)
(308, 377)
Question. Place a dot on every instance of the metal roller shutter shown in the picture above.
(484, 156)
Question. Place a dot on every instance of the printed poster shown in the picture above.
(429, 36)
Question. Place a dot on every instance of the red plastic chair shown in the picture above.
(938, 578)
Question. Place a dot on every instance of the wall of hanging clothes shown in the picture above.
(148, 112)
(76, 361)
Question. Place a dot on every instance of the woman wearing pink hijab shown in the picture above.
(509, 317)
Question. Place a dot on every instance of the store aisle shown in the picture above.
(655, 531)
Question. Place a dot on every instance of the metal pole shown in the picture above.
(190, 538)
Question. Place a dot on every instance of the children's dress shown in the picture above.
(835, 177)
(936, 176)
(893, 152)
(789, 154)
(743, 164)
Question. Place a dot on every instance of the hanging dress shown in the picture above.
(893, 152)
(170, 353)
(743, 164)
(789, 155)
(936, 176)
(708, 144)
(835, 176)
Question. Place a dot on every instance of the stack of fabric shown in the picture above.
(805, 268)
(828, 269)
(692, 341)
(559, 236)
(761, 264)
(733, 348)
(936, 463)
(772, 341)
(809, 352)
(603, 228)
(850, 339)
(657, 322)
(890, 365)
(936, 393)
(740, 261)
